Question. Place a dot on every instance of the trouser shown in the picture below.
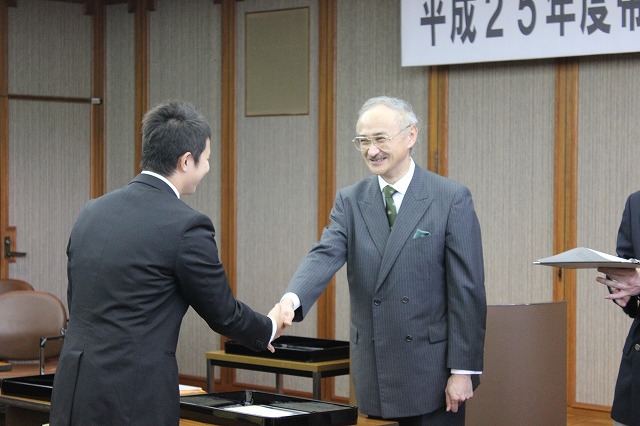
(440, 417)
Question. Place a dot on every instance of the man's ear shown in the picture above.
(183, 162)
(413, 135)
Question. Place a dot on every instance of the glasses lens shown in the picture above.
(362, 144)
(381, 141)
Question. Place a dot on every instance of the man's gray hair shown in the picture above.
(408, 117)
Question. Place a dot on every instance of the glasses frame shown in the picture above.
(370, 140)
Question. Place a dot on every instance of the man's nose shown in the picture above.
(373, 150)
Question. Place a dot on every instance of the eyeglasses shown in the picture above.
(363, 143)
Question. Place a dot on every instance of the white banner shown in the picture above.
(438, 32)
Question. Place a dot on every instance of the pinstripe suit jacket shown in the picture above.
(417, 298)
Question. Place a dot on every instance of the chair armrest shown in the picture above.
(43, 342)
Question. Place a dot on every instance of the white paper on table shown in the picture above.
(263, 411)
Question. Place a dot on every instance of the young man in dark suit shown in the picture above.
(415, 273)
(624, 285)
(138, 257)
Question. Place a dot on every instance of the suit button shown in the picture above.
(405, 299)
(377, 302)
(408, 338)
(637, 347)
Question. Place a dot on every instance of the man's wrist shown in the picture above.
(295, 300)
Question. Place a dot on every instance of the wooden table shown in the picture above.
(362, 421)
(21, 411)
(315, 370)
(32, 412)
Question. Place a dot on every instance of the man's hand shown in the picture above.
(459, 389)
(287, 312)
(623, 284)
(280, 314)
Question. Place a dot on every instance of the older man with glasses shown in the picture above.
(411, 241)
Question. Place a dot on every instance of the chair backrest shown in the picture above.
(10, 284)
(25, 317)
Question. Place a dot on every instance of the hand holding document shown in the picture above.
(623, 284)
(582, 257)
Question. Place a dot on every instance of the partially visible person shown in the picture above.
(416, 277)
(624, 288)
(137, 258)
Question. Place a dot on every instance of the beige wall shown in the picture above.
(501, 146)
(501, 138)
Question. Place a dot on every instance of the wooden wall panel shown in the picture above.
(501, 145)
(49, 49)
(120, 96)
(49, 177)
(276, 190)
(49, 134)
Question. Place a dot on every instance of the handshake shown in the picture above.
(282, 313)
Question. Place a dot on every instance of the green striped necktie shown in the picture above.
(391, 207)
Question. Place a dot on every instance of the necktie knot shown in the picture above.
(390, 205)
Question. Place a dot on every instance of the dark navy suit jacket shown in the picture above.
(626, 402)
(137, 258)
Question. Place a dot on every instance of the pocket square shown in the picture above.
(420, 233)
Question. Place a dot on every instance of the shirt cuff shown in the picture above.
(294, 297)
(274, 328)
(454, 371)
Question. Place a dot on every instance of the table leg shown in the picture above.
(210, 376)
(17, 416)
(317, 386)
(278, 383)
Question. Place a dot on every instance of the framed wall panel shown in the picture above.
(277, 62)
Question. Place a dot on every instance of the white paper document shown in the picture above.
(582, 257)
(189, 390)
(263, 411)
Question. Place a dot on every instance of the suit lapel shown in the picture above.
(373, 212)
(415, 204)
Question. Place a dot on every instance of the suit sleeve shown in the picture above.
(624, 244)
(204, 285)
(467, 305)
(325, 258)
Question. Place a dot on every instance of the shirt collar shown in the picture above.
(403, 184)
(164, 179)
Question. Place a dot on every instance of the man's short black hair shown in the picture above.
(168, 131)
